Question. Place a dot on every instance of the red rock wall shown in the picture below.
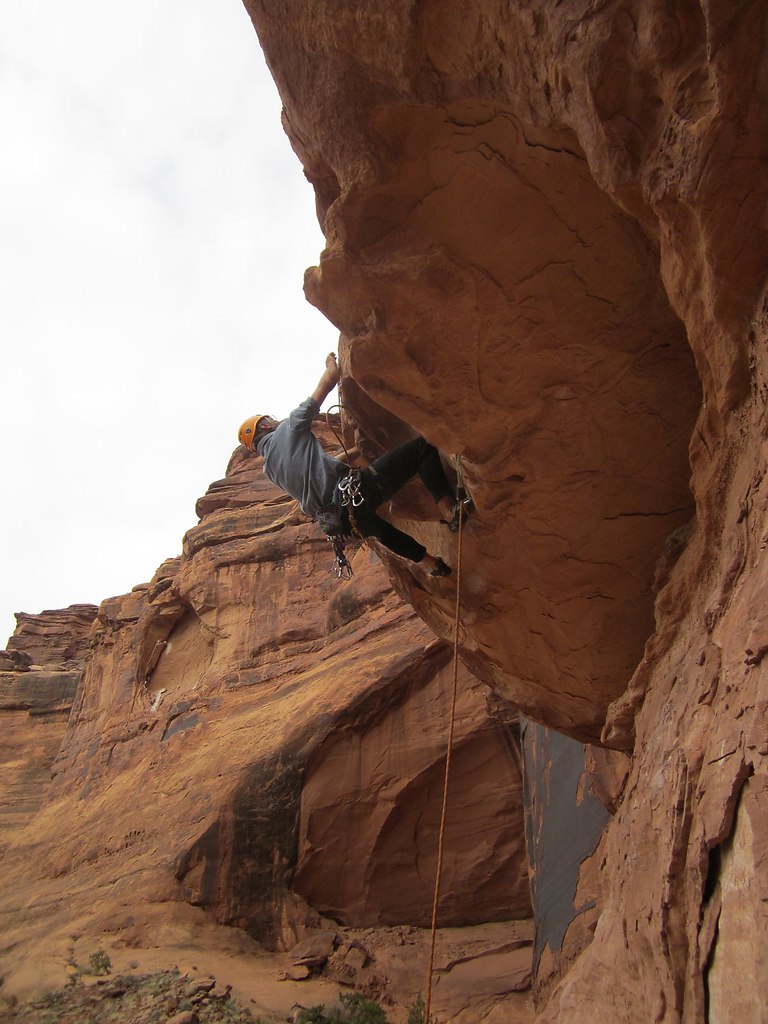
(381, 781)
(39, 673)
(546, 249)
(216, 704)
(494, 296)
(53, 637)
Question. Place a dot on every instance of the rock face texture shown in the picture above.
(257, 743)
(39, 673)
(58, 639)
(546, 250)
(499, 300)
(391, 804)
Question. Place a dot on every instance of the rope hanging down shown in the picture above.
(449, 751)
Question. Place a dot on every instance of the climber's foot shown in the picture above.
(462, 509)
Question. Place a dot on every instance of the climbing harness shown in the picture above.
(330, 518)
(352, 497)
(449, 751)
(331, 523)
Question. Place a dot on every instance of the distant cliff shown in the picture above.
(39, 674)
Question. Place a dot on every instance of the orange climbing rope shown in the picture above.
(449, 751)
(441, 838)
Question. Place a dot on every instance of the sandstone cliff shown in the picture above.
(256, 744)
(546, 250)
(39, 673)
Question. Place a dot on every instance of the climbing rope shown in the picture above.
(333, 429)
(449, 751)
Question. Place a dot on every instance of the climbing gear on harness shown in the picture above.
(341, 567)
(440, 569)
(352, 497)
(331, 522)
(462, 508)
(254, 428)
(350, 487)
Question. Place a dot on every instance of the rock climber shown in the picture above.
(295, 460)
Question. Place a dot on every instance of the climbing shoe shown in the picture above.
(462, 509)
(440, 569)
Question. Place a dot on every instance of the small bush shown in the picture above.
(316, 1015)
(359, 1010)
(355, 1009)
(100, 963)
(416, 1012)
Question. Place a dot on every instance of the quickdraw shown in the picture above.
(351, 489)
(352, 497)
(341, 566)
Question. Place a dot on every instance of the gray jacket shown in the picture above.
(294, 460)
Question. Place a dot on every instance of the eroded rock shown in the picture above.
(212, 707)
(39, 674)
(494, 296)
(546, 250)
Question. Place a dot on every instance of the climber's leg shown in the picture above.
(399, 466)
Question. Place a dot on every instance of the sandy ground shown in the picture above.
(481, 974)
(254, 976)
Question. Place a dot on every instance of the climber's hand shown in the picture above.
(332, 368)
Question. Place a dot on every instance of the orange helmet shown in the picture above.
(254, 428)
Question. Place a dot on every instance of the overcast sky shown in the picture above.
(154, 230)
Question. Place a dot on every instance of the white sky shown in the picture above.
(154, 230)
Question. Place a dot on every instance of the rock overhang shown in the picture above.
(492, 296)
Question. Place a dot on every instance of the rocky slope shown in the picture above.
(257, 744)
(546, 250)
(39, 673)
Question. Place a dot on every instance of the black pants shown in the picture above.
(384, 478)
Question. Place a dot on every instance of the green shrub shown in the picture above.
(100, 963)
(316, 1015)
(416, 1012)
(359, 1010)
(355, 1009)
